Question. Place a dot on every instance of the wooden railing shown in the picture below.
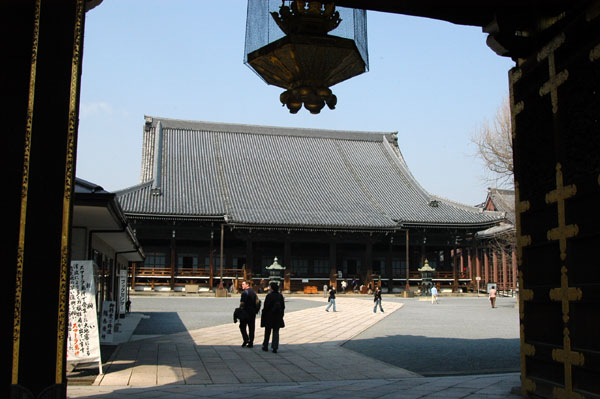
(165, 276)
(199, 272)
(416, 275)
(152, 271)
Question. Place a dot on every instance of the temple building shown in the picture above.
(328, 204)
(100, 233)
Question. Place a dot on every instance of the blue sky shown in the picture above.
(431, 81)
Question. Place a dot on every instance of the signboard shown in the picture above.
(122, 292)
(107, 322)
(83, 342)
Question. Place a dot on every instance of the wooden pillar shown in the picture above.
(470, 263)
(287, 261)
(133, 271)
(287, 282)
(486, 266)
(211, 262)
(514, 269)
(388, 265)
(333, 262)
(407, 261)
(504, 271)
(495, 265)
(287, 252)
(42, 46)
(172, 259)
(250, 252)
(369, 262)
(423, 250)
(454, 271)
(477, 263)
(222, 256)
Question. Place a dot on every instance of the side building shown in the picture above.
(101, 233)
(220, 201)
(497, 257)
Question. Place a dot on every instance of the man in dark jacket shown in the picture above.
(249, 299)
(241, 315)
(272, 317)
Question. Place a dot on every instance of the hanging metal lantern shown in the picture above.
(305, 47)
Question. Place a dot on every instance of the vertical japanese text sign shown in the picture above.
(107, 321)
(83, 343)
(122, 291)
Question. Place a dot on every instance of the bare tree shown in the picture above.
(493, 142)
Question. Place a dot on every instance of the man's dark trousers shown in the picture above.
(248, 334)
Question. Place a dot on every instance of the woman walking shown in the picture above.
(493, 294)
(272, 317)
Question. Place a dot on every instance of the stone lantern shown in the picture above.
(275, 272)
(305, 47)
(427, 278)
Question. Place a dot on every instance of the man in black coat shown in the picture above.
(249, 299)
(272, 317)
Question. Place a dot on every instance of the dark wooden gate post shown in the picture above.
(42, 45)
(555, 106)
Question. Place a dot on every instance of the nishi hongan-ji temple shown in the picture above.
(317, 203)
(219, 202)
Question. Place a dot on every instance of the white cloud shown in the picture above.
(95, 109)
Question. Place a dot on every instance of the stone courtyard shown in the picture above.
(190, 347)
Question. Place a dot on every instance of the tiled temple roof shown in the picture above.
(501, 200)
(290, 177)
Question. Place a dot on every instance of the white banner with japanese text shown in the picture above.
(83, 343)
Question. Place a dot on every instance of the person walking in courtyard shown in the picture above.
(344, 285)
(331, 300)
(493, 296)
(249, 299)
(434, 294)
(324, 290)
(272, 317)
(377, 300)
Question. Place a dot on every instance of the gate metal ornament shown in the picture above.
(305, 47)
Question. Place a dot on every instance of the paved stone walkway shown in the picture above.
(309, 351)
(311, 363)
(496, 386)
